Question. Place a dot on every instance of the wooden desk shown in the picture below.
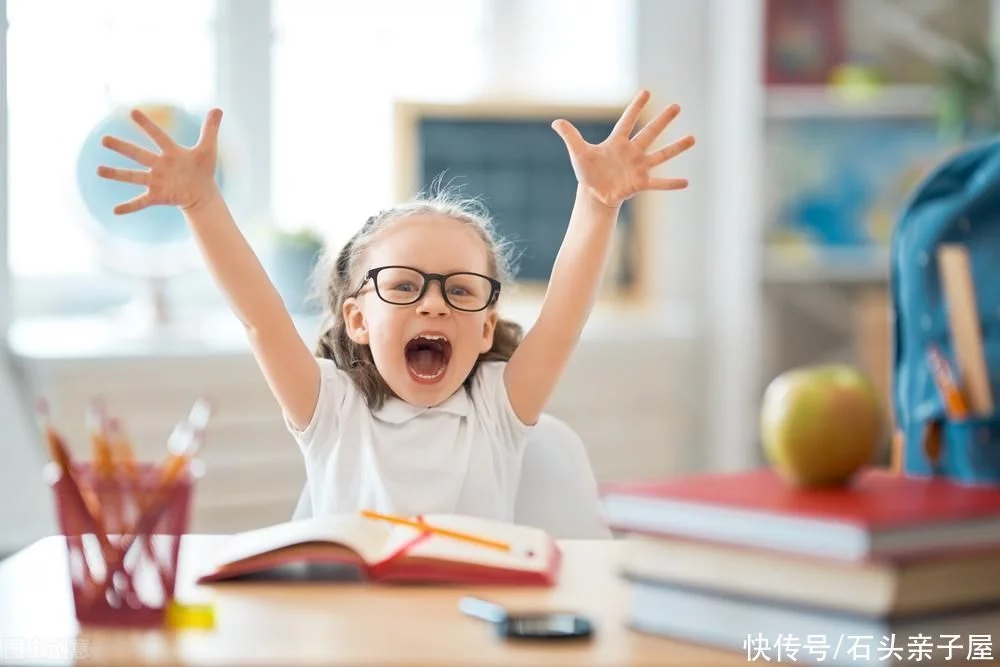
(332, 623)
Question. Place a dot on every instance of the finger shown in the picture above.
(155, 132)
(647, 135)
(129, 150)
(668, 183)
(210, 129)
(669, 152)
(137, 176)
(133, 205)
(570, 135)
(623, 128)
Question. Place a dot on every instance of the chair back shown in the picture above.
(558, 492)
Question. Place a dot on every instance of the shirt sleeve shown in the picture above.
(334, 387)
(490, 398)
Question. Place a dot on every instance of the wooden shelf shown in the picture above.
(803, 102)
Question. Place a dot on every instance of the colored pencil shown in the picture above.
(454, 534)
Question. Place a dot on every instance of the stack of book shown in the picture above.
(888, 569)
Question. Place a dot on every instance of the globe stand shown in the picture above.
(147, 314)
(150, 309)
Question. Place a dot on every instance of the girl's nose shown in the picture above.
(433, 302)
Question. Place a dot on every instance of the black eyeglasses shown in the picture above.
(404, 285)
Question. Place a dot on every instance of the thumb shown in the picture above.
(210, 129)
(569, 134)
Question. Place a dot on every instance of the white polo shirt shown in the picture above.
(462, 457)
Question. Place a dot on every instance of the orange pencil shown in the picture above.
(185, 441)
(126, 467)
(81, 496)
(100, 449)
(954, 400)
(454, 534)
(121, 448)
(103, 463)
(59, 453)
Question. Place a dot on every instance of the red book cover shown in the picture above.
(498, 553)
(876, 499)
(879, 515)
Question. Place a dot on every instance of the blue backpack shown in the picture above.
(958, 203)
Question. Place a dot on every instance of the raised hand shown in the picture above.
(177, 175)
(621, 166)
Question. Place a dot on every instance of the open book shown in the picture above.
(382, 551)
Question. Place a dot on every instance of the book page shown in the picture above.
(530, 548)
(366, 538)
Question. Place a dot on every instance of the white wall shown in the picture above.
(673, 60)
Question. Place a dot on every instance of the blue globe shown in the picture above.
(155, 226)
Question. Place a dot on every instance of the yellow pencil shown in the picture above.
(493, 544)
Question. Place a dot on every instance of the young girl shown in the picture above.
(419, 398)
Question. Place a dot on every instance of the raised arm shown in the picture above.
(608, 174)
(185, 177)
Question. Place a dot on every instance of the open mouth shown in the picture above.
(427, 357)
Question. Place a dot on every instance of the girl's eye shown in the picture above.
(459, 291)
(403, 287)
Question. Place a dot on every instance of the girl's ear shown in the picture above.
(354, 322)
(489, 327)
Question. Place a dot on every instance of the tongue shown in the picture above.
(426, 362)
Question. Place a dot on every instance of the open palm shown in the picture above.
(176, 176)
(621, 166)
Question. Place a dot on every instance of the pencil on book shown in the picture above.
(454, 534)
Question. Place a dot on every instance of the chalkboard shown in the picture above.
(514, 162)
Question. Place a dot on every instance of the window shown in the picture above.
(325, 114)
(337, 66)
(69, 63)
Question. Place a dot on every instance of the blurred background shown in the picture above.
(815, 119)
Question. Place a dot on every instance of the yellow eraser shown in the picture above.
(183, 616)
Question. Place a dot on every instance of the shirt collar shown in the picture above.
(398, 411)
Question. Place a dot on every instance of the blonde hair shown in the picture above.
(339, 275)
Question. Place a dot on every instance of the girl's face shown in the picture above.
(424, 350)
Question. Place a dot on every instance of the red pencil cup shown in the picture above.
(123, 537)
